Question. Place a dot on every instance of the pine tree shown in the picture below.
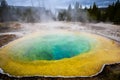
(117, 12)
(77, 5)
(4, 11)
(94, 13)
(4, 3)
(69, 8)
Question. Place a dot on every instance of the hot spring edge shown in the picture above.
(13, 56)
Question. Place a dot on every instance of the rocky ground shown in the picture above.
(4, 39)
(12, 31)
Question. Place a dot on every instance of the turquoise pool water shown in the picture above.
(50, 47)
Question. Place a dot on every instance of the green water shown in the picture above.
(50, 47)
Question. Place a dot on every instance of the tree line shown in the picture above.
(23, 14)
(76, 14)
(35, 14)
(92, 14)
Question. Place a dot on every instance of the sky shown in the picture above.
(59, 3)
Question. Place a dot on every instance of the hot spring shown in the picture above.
(51, 47)
(58, 53)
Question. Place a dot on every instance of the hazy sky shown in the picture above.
(58, 3)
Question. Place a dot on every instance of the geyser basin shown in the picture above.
(58, 53)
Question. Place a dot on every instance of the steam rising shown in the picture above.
(35, 18)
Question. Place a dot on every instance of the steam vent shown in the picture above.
(58, 53)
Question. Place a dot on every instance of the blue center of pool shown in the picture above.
(50, 47)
